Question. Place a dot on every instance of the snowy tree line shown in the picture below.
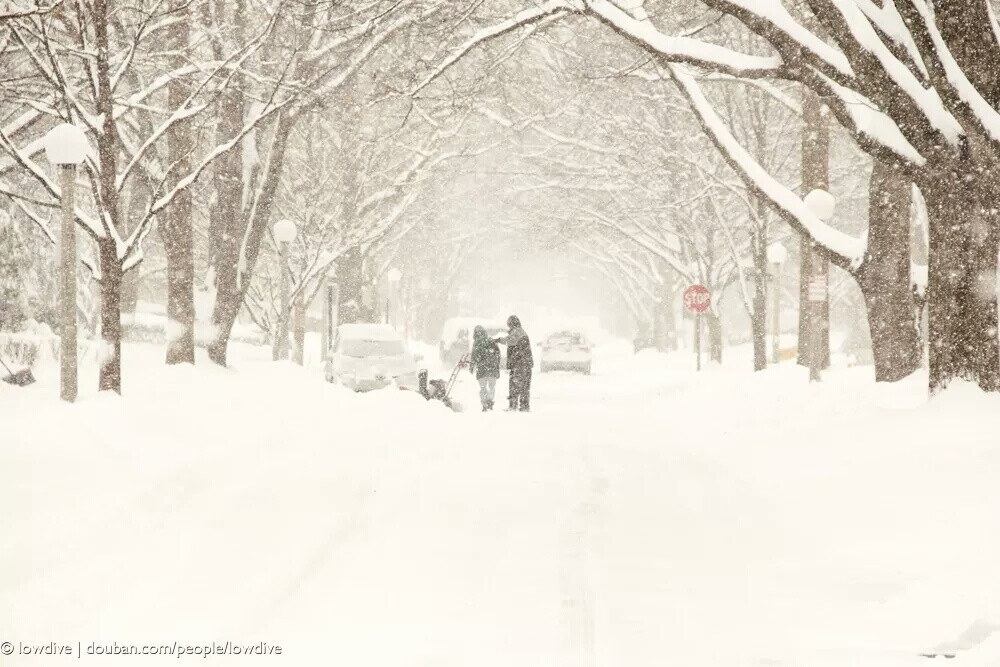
(195, 110)
(911, 83)
(666, 142)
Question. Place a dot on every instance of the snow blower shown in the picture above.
(21, 378)
(440, 390)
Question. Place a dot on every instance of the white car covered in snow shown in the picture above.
(566, 351)
(370, 356)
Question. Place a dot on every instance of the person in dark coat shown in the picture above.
(519, 362)
(485, 364)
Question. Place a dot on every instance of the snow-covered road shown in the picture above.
(644, 515)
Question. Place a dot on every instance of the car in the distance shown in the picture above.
(457, 338)
(366, 357)
(566, 351)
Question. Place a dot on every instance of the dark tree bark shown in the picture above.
(226, 225)
(350, 277)
(958, 170)
(232, 282)
(299, 331)
(962, 282)
(715, 344)
(884, 277)
(110, 377)
(758, 318)
(176, 227)
(130, 291)
(815, 175)
(227, 221)
(664, 320)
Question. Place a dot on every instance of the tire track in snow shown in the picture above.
(578, 599)
(320, 558)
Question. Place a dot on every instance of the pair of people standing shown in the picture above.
(485, 364)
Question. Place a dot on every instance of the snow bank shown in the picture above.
(718, 518)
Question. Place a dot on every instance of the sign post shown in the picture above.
(330, 307)
(697, 299)
(817, 295)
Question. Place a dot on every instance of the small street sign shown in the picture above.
(817, 289)
(697, 298)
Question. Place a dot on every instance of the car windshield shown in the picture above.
(360, 348)
(566, 338)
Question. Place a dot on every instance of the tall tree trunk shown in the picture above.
(130, 291)
(226, 226)
(233, 273)
(661, 334)
(884, 276)
(669, 316)
(108, 153)
(664, 321)
(815, 175)
(227, 221)
(715, 343)
(350, 277)
(962, 283)
(299, 331)
(110, 377)
(176, 230)
(758, 318)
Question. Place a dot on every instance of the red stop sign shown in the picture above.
(697, 298)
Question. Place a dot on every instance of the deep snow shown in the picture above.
(646, 515)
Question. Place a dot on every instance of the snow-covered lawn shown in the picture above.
(645, 515)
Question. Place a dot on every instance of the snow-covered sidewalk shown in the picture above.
(642, 516)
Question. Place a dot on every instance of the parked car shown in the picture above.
(370, 356)
(456, 338)
(566, 351)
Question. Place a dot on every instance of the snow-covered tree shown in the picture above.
(912, 83)
(94, 64)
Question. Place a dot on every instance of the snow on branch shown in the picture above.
(685, 49)
(21, 158)
(130, 251)
(985, 114)
(19, 9)
(824, 68)
(870, 121)
(532, 122)
(775, 18)
(888, 22)
(522, 18)
(220, 150)
(842, 249)
(925, 98)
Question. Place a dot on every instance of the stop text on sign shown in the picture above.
(697, 298)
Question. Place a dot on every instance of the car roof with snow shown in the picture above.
(368, 331)
(566, 333)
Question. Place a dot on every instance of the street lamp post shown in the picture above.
(392, 302)
(821, 203)
(66, 146)
(284, 233)
(776, 256)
